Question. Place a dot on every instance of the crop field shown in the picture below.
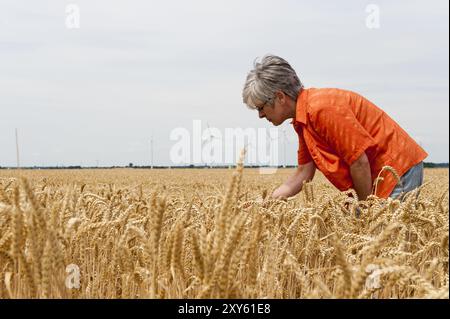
(214, 233)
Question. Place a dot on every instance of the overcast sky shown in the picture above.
(134, 69)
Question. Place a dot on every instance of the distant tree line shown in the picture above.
(434, 165)
(131, 165)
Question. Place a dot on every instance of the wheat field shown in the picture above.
(214, 233)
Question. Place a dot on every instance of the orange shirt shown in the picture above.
(336, 126)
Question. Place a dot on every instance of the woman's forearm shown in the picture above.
(291, 186)
(362, 180)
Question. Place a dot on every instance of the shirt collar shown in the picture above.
(300, 108)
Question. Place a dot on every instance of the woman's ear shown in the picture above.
(281, 96)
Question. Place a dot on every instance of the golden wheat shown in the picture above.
(191, 234)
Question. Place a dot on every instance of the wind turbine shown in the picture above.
(284, 137)
(270, 170)
(208, 140)
(151, 152)
(250, 148)
(271, 139)
(17, 149)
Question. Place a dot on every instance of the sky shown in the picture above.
(97, 90)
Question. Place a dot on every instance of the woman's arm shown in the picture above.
(294, 183)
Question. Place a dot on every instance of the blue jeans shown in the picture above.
(412, 179)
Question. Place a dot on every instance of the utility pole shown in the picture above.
(17, 149)
(151, 152)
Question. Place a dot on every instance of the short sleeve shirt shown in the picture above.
(336, 126)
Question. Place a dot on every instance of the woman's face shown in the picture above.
(274, 111)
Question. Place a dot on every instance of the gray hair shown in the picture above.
(270, 75)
